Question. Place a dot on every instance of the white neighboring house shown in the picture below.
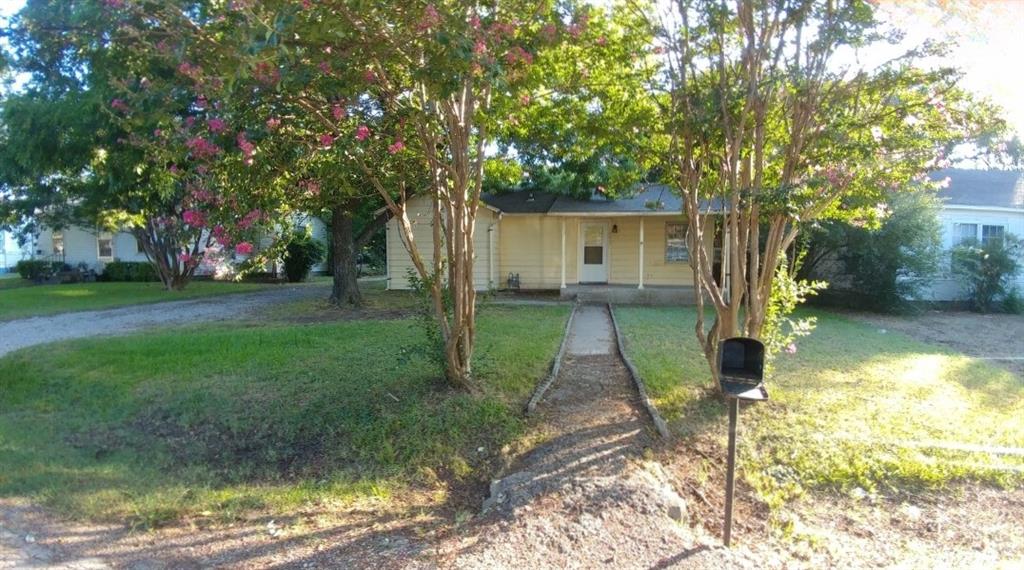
(77, 245)
(980, 204)
(10, 252)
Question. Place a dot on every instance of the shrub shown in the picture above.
(130, 271)
(986, 269)
(1013, 303)
(302, 253)
(36, 268)
(887, 266)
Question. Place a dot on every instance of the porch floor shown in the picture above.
(630, 295)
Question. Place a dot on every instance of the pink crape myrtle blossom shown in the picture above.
(119, 105)
(217, 125)
(338, 112)
(194, 218)
(396, 147)
(431, 18)
(243, 248)
(791, 348)
(362, 133)
(202, 148)
(326, 140)
(273, 123)
(249, 219)
(246, 147)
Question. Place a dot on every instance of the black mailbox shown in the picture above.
(741, 368)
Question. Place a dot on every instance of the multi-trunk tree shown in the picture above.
(422, 81)
(769, 127)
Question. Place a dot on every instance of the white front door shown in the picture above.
(594, 252)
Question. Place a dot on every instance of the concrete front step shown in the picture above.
(628, 295)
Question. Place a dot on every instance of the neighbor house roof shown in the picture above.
(649, 199)
(991, 188)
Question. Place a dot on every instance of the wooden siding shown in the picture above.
(418, 211)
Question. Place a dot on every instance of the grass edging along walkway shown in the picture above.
(543, 387)
(659, 422)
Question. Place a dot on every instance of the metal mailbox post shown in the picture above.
(741, 377)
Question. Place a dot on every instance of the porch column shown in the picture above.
(641, 281)
(563, 253)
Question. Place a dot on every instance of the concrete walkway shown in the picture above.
(591, 332)
(22, 333)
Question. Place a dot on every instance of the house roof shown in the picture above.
(523, 202)
(649, 198)
(991, 188)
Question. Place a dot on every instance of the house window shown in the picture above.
(964, 233)
(991, 235)
(139, 246)
(58, 243)
(675, 242)
(105, 247)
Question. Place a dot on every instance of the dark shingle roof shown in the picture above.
(648, 198)
(994, 188)
(521, 202)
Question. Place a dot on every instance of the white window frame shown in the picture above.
(686, 245)
(981, 232)
(958, 239)
(56, 237)
(104, 236)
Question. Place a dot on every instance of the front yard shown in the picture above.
(213, 422)
(858, 409)
(20, 299)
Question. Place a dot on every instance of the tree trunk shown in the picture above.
(343, 253)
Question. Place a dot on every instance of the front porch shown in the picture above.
(631, 294)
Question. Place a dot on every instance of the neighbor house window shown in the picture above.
(105, 246)
(991, 235)
(139, 246)
(675, 242)
(58, 243)
(964, 233)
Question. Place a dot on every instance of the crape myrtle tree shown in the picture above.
(767, 123)
(307, 123)
(142, 145)
(420, 78)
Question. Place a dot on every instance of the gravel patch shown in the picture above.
(23, 333)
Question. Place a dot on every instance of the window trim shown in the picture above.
(686, 245)
(54, 238)
(99, 253)
(981, 232)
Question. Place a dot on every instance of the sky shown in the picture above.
(989, 36)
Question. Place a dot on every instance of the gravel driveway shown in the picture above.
(40, 330)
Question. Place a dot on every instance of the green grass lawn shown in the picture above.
(220, 420)
(854, 407)
(18, 298)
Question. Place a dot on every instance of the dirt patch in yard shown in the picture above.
(998, 337)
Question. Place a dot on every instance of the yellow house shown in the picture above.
(630, 249)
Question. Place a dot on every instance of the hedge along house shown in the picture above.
(631, 249)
